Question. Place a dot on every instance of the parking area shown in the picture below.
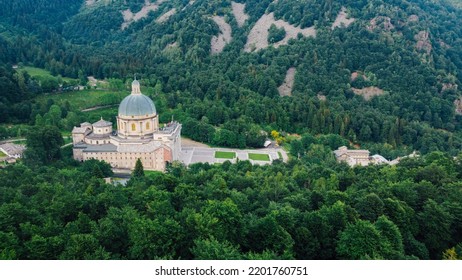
(190, 155)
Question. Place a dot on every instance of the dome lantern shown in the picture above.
(136, 87)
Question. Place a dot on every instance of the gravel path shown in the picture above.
(98, 107)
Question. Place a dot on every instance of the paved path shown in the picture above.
(65, 145)
(98, 107)
(191, 155)
(12, 140)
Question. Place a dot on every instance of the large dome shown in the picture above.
(136, 104)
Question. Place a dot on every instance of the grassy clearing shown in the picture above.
(39, 72)
(260, 157)
(280, 155)
(226, 155)
(85, 99)
(108, 114)
(34, 71)
(2, 154)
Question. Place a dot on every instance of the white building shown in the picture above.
(12, 150)
(352, 157)
(138, 136)
(362, 158)
(378, 159)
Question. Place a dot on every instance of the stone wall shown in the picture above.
(151, 161)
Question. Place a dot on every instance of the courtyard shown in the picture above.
(190, 155)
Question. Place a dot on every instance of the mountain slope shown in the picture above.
(370, 71)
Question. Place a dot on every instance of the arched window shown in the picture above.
(133, 127)
(148, 126)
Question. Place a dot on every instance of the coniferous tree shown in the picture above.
(97, 172)
(139, 170)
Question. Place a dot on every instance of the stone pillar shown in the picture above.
(141, 129)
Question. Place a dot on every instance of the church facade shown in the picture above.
(138, 136)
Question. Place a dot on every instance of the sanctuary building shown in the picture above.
(138, 136)
(352, 157)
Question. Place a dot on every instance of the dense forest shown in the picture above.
(407, 51)
(312, 208)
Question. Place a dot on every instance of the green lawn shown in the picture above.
(108, 114)
(35, 72)
(84, 99)
(260, 157)
(280, 155)
(227, 155)
(2, 154)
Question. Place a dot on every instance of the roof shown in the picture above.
(344, 150)
(98, 136)
(140, 148)
(356, 151)
(80, 129)
(100, 148)
(85, 124)
(137, 105)
(380, 159)
(12, 149)
(102, 123)
(169, 128)
(144, 148)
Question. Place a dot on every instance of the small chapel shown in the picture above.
(137, 136)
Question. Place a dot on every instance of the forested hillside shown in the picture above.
(312, 74)
(372, 71)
